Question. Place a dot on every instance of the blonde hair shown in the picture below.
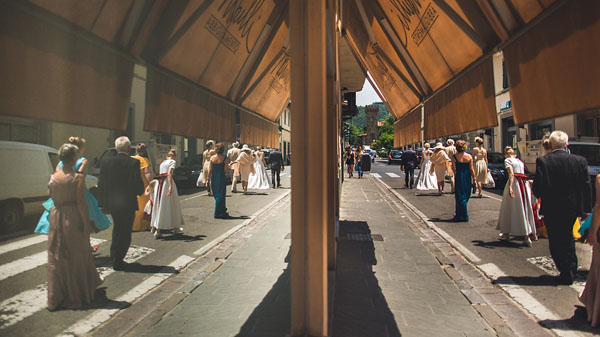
(77, 141)
(68, 152)
(427, 145)
(210, 143)
(478, 140)
(172, 153)
(461, 145)
(546, 144)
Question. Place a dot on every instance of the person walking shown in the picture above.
(350, 159)
(562, 183)
(357, 159)
(426, 180)
(232, 156)
(246, 164)
(140, 223)
(71, 270)
(259, 179)
(450, 151)
(464, 175)
(409, 162)
(439, 165)
(119, 185)
(276, 162)
(591, 293)
(205, 158)
(516, 212)
(480, 164)
(216, 169)
(166, 214)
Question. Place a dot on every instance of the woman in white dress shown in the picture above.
(426, 181)
(516, 212)
(480, 162)
(166, 213)
(259, 179)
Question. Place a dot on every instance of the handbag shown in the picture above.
(490, 181)
(199, 181)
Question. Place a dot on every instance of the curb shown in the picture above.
(495, 306)
(149, 309)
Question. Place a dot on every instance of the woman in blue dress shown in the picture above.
(462, 164)
(216, 172)
(99, 220)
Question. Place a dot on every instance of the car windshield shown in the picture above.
(495, 158)
(193, 160)
(589, 152)
(395, 153)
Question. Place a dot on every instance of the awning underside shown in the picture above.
(237, 52)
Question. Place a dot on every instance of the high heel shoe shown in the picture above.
(527, 242)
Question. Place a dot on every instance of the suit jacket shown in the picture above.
(562, 182)
(120, 183)
(409, 159)
(276, 160)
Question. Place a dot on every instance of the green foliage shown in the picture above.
(360, 119)
(354, 132)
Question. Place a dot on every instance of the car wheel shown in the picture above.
(11, 215)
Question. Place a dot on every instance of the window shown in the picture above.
(504, 76)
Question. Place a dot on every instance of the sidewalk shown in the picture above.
(393, 278)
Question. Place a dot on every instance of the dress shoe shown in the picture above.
(565, 278)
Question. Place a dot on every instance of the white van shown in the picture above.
(24, 176)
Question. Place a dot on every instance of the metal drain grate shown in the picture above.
(353, 237)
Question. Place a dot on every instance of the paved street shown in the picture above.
(23, 264)
(523, 272)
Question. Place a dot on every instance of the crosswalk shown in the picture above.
(21, 306)
(389, 174)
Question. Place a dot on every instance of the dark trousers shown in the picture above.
(561, 242)
(275, 174)
(121, 235)
(409, 174)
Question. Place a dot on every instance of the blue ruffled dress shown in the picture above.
(99, 219)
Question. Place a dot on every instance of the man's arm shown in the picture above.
(538, 182)
(587, 187)
(102, 185)
(137, 179)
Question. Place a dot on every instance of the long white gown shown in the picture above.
(516, 214)
(426, 181)
(166, 213)
(260, 179)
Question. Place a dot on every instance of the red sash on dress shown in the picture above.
(521, 181)
(161, 181)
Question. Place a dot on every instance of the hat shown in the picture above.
(438, 146)
(245, 148)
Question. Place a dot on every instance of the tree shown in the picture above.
(386, 134)
(354, 132)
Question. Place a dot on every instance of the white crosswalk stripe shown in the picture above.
(27, 303)
(393, 175)
(100, 316)
(376, 175)
(9, 247)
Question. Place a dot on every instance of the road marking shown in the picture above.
(9, 247)
(225, 235)
(393, 175)
(196, 196)
(27, 303)
(491, 196)
(376, 175)
(527, 301)
(464, 251)
(102, 315)
(546, 264)
(30, 262)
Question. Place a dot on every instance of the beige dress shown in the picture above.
(591, 293)
(440, 162)
(71, 270)
(246, 165)
(480, 168)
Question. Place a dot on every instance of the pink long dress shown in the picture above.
(71, 270)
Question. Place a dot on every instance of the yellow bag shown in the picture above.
(576, 226)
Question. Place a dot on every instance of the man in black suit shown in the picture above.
(562, 182)
(276, 162)
(409, 162)
(119, 185)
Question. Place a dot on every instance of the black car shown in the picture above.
(187, 174)
(496, 166)
(395, 157)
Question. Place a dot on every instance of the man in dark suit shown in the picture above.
(409, 162)
(562, 182)
(119, 185)
(276, 162)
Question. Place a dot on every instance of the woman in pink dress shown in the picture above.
(71, 270)
(591, 293)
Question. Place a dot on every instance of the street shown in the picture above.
(23, 264)
(508, 264)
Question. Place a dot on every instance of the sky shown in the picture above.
(367, 95)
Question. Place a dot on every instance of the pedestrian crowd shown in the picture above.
(136, 200)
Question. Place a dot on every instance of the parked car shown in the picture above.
(188, 172)
(591, 152)
(372, 153)
(419, 154)
(497, 170)
(395, 157)
(24, 178)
